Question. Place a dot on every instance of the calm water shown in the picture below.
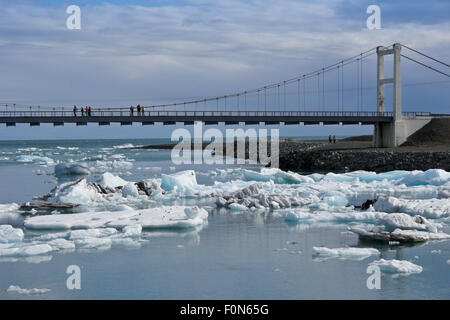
(234, 256)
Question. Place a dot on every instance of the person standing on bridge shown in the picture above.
(82, 111)
(90, 111)
(74, 110)
(138, 108)
(131, 111)
(143, 110)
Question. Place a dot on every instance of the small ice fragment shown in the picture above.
(26, 292)
(132, 230)
(9, 234)
(62, 244)
(130, 190)
(359, 254)
(108, 180)
(95, 233)
(397, 266)
(180, 180)
(93, 243)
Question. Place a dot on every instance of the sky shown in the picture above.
(152, 52)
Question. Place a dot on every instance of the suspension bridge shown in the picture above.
(305, 99)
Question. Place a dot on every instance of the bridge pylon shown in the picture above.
(394, 133)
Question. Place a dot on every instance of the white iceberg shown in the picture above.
(323, 253)
(397, 266)
(35, 159)
(130, 190)
(108, 180)
(24, 250)
(61, 244)
(9, 234)
(405, 221)
(429, 208)
(93, 233)
(179, 181)
(161, 217)
(26, 292)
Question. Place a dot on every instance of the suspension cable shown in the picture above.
(427, 66)
(423, 54)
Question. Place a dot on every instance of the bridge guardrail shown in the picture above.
(207, 113)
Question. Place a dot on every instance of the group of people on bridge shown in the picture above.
(140, 110)
(85, 112)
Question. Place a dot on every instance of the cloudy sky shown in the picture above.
(150, 52)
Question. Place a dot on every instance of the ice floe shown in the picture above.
(9, 234)
(401, 267)
(71, 169)
(26, 292)
(323, 253)
(160, 217)
(108, 180)
(35, 159)
(24, 250)
(429, 208)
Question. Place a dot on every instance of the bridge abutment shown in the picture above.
(394, 134)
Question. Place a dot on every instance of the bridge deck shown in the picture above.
(189, 117)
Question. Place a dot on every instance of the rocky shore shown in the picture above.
(429, 148)
(350, 155)
(378, 160)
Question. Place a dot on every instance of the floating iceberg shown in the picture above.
(9, 234)
(179, 181)
(130, 190)
(108, 180)
(36, 159)
(434, 177)
(71, 169)
(322, 253)
(24, 250)
(405, 221)
(26, 292)
(161, 217)
(276, 175)
(429, 208)
(397, 266)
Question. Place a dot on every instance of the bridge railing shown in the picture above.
(201, 113)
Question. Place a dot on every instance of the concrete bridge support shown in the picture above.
(397, 132)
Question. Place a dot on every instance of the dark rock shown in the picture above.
(366, 205)
(47, 206)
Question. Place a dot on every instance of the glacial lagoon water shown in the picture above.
(235, 253)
